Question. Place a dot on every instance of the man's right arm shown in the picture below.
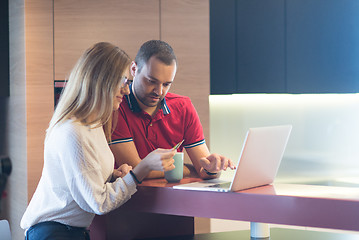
(127, 153)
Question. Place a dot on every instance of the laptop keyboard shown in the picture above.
(221, 185)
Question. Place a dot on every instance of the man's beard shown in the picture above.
(144, 101)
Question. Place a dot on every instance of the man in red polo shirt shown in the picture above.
(150, 117)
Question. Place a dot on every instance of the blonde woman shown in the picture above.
(78, 179)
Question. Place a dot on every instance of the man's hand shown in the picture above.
(214, 163)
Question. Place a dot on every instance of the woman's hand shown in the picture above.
(157, 160)
(121, 171)
(160, 159)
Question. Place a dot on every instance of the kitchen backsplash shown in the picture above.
(324, 143)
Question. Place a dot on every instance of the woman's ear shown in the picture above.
(133, 68)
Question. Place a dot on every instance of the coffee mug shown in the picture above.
(176, 174)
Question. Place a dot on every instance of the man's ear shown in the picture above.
(133, 68)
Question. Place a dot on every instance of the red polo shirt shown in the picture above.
(177, 119)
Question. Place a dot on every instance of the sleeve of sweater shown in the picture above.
(85, 178)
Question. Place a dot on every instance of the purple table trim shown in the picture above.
(300, 205)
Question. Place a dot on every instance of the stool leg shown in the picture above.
(260, 230)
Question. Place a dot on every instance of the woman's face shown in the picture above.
(123, 89)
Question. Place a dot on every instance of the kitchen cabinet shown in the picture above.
(185, 26)
(79, 24)
(322, 46)
(259, 50)
(281, 46)
(222, 46)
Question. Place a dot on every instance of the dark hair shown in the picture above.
(160, 49)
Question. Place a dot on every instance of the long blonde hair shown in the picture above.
(91, 87)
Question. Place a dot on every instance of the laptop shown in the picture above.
(258, 162)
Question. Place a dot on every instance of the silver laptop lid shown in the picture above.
(261, 155)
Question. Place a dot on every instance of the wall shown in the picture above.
(39, 83)
(4, 46)
(185, 25)
(30, 104)
(15, 203)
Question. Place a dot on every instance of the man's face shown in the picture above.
(153, 82)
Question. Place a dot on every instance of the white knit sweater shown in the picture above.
(74, 186)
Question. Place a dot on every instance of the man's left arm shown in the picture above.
(208, 165)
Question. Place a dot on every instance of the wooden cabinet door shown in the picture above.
(323, 46)
(260, 48)
(223, 46)
(297, 46)
(247, 46)
(185, 26)
(79, 24)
